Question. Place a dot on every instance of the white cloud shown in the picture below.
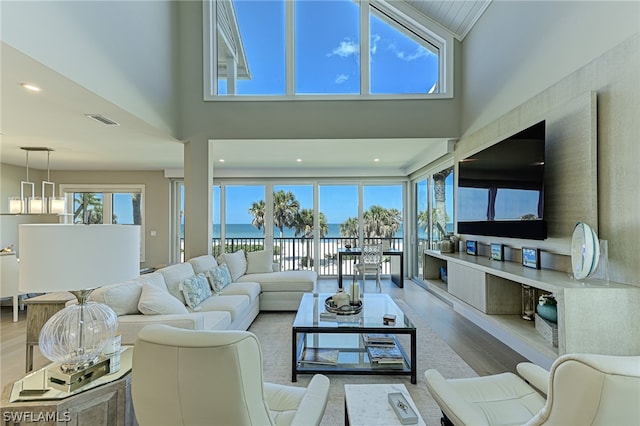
(347, 48)
(419, 53)
(374, 43)
(341, 78)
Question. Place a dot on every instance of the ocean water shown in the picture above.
(244, 230)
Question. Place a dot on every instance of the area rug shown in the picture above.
(274, 332)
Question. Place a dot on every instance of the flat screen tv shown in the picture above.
(501, 188)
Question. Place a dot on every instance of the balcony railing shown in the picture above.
(297, 253)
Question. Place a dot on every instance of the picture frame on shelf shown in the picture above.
(472, 247)
(531, 257)
(497, 252)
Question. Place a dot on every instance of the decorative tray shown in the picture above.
(344, 309)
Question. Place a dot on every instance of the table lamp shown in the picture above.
(78, 259)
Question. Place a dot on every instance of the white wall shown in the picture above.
(123, 51)
(519, 48)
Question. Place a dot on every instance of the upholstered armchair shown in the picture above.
(580, 389)
(187, 377)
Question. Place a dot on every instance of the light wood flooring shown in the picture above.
(485, 354)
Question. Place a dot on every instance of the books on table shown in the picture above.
(375, 339)
(320, 356)
(385, 354)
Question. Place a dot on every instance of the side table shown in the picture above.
(107, 401)
(39, 310)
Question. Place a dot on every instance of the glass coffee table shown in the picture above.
(337, 340)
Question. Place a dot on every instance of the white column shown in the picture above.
(198, 198)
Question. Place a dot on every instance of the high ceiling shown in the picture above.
(57, 118)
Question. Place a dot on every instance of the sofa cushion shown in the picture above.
(195, 290)
(238, 306)
(250, 289)
(259, 261)
(219, 277)
(237, 263)
(122, 297)
(283, 281)
(154, 301)
(202, 264)
(174, 275)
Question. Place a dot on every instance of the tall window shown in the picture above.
(300, 48)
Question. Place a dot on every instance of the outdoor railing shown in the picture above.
(297, 253)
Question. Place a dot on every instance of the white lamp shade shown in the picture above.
(59, 257)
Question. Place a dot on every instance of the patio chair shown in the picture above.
(370, 262)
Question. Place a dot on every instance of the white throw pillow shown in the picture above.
(237, 264)
(195, 290)
(155, 301)
(259, 261)
(122, 297)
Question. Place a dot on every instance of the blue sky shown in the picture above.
(327, 58)
(337, 202)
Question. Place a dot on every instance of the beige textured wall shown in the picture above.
(615, 78)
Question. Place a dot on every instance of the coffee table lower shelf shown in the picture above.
(352, 360)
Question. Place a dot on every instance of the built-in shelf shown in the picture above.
(488, 293)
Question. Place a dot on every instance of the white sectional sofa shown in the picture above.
(176, 295)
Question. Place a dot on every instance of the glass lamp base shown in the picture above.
(76, 335)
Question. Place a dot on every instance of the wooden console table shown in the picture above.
(39, 310)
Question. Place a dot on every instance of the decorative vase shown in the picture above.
(548, 312)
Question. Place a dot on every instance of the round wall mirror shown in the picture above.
(585, 251)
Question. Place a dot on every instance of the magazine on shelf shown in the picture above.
(319, 356)
(378, 339)
(383, 355)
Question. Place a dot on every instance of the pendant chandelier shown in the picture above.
(29, 202)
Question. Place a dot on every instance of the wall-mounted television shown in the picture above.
(501, 188)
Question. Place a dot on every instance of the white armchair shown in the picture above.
(580, 389)
(9, 281)
(187, 377)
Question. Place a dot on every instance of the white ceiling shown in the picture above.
(56, 118)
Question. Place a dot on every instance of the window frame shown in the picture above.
(69, 189)
(436, 34)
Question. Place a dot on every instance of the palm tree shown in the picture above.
(349, 228)
(285, 209)
(439, 185)
(89, 208)
(303, 226)
(136, 204)
(257, 211)
(381, 222)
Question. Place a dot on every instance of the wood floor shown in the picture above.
(485, 354)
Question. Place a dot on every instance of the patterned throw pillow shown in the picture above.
(195, 290)
(219, 277)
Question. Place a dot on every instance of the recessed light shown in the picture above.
(376, 160)
(299, 160)
(221, 160)
(31, 87)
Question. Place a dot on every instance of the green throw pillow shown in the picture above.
(219, 277)
(195, 290)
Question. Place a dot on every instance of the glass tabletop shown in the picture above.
(313, 314)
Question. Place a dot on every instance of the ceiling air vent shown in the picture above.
(104, 120)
